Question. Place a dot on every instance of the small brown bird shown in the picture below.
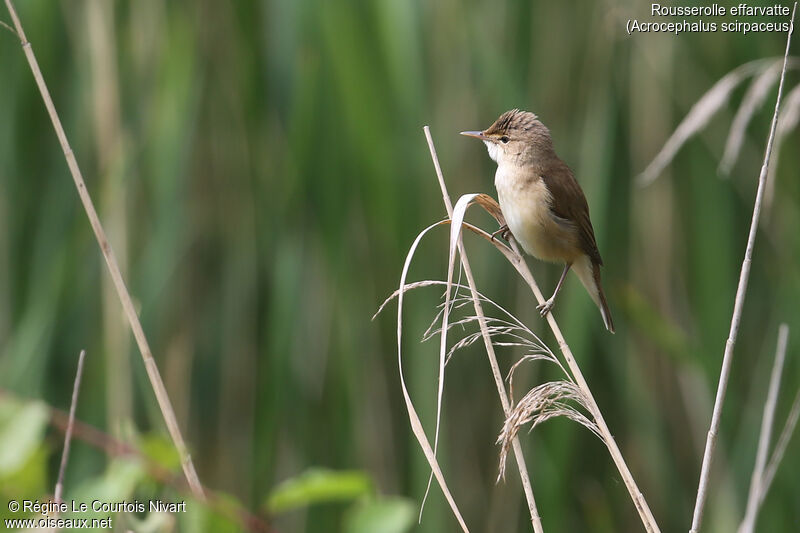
(543, 205)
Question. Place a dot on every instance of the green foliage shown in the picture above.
(160, 450)
(22, 426)
(388, 515)
(367, 515)
(117, 483)
(316, 486)
(23, 455)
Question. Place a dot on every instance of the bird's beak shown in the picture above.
(476, 134)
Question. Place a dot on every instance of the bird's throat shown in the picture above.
(494, 150)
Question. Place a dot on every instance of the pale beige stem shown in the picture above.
(498, 378)
(738, 307)
(515, 258)
(645, 514)
(780, 447)
(757, 479)
(59, 492)
(113, 268)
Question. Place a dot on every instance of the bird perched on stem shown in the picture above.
(544, 207)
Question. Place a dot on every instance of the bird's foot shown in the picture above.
(546, 307)
(504, 232)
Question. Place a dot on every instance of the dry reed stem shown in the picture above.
(744, 276)
(513, 255)
(515, 258)
(645, 514)
(113, 268)
(780, 448)
(757, 479)
(70, 423)
(496, 374)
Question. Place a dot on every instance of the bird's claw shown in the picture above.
(504, 232)
(546, 307)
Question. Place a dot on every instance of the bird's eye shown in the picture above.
(504, 139)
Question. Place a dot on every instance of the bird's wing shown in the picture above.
(568, 202)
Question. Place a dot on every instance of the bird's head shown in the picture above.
(515, 137)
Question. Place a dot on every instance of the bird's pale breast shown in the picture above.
(526, 202)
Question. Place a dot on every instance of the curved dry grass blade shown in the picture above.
(738, 305)
(416, 423)
(698, 116)
(753, 99)
(756, 480)
(408, 287)
(789, 116)
(457, 219)
(491, 206)
(788, 119)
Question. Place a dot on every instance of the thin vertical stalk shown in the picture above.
(780, 447)
(76, 387)
(738, 306)
(113, 267)
(498, 377)
(757, 479)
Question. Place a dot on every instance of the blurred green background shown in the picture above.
(261, 171)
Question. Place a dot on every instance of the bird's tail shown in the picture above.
(589, 274)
